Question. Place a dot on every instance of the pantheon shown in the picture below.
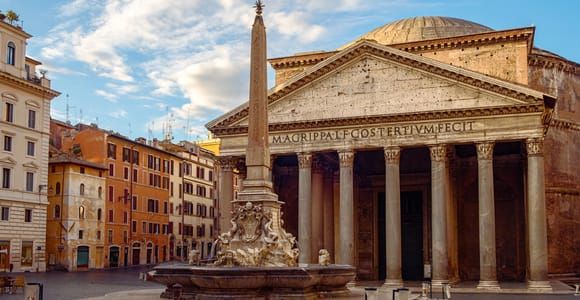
(430, 147)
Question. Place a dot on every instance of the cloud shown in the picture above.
(118, 114)
(123, 89)
(108, 96)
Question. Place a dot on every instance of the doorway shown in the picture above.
(83, 257)
(114, 257)
(412, 235)
(136, 253)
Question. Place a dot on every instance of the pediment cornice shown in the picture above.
(7, 160)
(363, 48)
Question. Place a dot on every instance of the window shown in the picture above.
(165, 208)
(9, 114)
(136, 157)
(134, 203)
(11, 54)
(30, 148)
(125, 173)
(126, 154)
(111, 170)
(82, 189)
(7, 143)
(135, 175)
(98, 235)
(110, 236)
(57, 189)
(5, 213)
(125, 237)
(111, 193)
(6, 178)
(100, 192)
(144, 227)
(111, 151)
(80, 234)
(81, 212)
(26, 254)
(82, 170)
(125, 217)
(99, 214)
(210, 176)
(110, 216)
(134, 226)
(29, 181)
(31, 119)
(57, 211)
(28, 215)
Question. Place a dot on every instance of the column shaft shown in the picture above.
(304, 207)
(487, 249)
(346, 210)
(226, 192)
(439, 273)
(317, 210)
(328, 212)
(536, 211)
(393, 217)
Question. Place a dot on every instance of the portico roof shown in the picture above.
(522, 95)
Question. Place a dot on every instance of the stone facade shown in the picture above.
(469, 116)
(24, 140)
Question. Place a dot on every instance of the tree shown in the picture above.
(12, 17)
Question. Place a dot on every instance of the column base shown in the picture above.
(488, 285)
(539, 285)
(439, 282)
(391, 284)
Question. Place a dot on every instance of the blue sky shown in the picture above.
(135, 65)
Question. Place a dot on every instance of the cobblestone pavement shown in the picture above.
(125, 284)
(79, 285)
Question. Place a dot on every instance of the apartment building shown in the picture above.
(192, 200)
(24, 141)
(75, 217)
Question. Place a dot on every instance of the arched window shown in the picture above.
(82, 189)
(99, 214)
(57, 211)
(57, 189)
(81, 212)
(100, 191)
(11, 59)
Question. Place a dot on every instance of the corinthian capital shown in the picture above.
(535, 146)
(438, 152)
(346, 158)
(392, 155)
(226, 163)
(484, 150)
(304, 160)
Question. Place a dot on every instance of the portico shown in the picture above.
(388, 160)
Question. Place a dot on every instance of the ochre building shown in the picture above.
(430, 147)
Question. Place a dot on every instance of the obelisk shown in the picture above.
(258, 186)
(257, 237)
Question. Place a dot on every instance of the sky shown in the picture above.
(137, 66)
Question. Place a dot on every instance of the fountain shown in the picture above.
(256, 258)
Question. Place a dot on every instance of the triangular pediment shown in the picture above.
(369, 80)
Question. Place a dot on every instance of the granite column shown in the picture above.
(304, 207)
(346, 209)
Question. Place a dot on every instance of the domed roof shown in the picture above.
(423, 28)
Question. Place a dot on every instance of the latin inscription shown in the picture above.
(373, 132)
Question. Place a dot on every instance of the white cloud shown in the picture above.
(123, 89)
(107, 95)
(118, 114)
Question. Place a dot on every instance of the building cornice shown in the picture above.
(384, 119)
(552, 62)
(38, 90)
(564, 124)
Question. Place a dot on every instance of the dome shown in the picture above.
(423, 28)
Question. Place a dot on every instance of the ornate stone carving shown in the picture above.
(535, 146)
(484, 150)
(194, 257)
(392, 155)
(323, 257)
(304, 160)
(254, 240)
(318, 165)
(226, 163)
(438, 152)
(346, 158)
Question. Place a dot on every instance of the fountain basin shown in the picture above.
(211, 282)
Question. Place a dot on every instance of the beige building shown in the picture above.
(24, 141)
(192, 199)
(430, 147)
(75, 218)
